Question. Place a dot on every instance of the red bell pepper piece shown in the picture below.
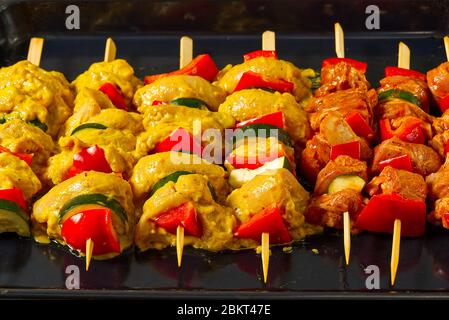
(260, 53)
(252, 79)
(351, 149)
(91, 158)
(443, 103)
(410, 131)
(179, 140)
(95, 224)
(359, 125)
(158, 103)
(73, 171)
(114, 95)
(402, 162)
(382, 210)
(361, 66)
(396, 71)
(268, 220)
(14, 195)
(28, 158)
(183, 215)
(202, 66)
(275, 119)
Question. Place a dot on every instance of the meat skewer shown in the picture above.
(340, 51)
(109, 55)
(268, 44)
(185, 57)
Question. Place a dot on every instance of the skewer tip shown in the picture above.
(269, 40)
(446, 46)
(265, 255)
(347, 236)
(395, 250)
(110, 51)
(35, 50)
(179, 244)
(339, 40)
(185, 51)
(89, 250)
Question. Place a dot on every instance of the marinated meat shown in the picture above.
(439, 142)
(342, 165)
(339, 77)
(438, 182)
(412, 85)
(327, 210)
(314, 157)
(440, 215)
(424, 159)
(408, 184)
(342, 102)
(398, 108)
(437, 80)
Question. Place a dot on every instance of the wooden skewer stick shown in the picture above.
(35, 50)
(185, 56)
(179, 243)
(446, 46)
(340, 52)
(110, 51)
(339, 40)
(265, 255)
(403, 56)
(185, 51)
(395, 249)
(403, 62)
(347, 235)
(89, 250)
(269, 41)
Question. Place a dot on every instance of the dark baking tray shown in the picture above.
(151, 45)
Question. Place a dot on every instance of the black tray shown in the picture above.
(315, 267)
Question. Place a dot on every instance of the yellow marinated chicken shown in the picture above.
(151, 169)
(229, 77)
(21, 137)
(253, 103)
(15, 172)
(277, 187)
(78, 194)
(93, 106)
(118, 147)
(117, 72)
(18, 184)
(214, 222)
(160, 121)
(34, 95)
(174, 87)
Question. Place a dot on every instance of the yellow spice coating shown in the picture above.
(270, 68)
(117, 72)
(252, 103)
(45, 216)
(152, 168)
(28, 92)
(15, 172)
(217, 221)
(179, 86)
(160, 121)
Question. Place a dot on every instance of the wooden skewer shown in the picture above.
(185, 51)
(395, 249)
(268, 43)
(179, 243)
(265, 255)
(446, 46)
(89, 250)
(339, 40)
(35, 50)
(347, 235)
(110, 51)
(403, 56)
(185, 56)
(403, 62)
(269, 40)
(340, 52)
